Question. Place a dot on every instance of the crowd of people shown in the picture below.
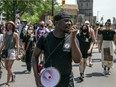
(56, 46)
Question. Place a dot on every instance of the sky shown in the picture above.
(101, 8)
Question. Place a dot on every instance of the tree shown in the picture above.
(39, 9)
(9, 8)
(30, 10)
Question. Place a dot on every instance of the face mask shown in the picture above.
(9, 27)
(84, 33)
(107, 27)
(84, 30)
(29, 31)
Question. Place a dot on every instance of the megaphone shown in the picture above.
(49, 77)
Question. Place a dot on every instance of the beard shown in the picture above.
(67, 28)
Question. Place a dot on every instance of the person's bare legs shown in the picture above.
(99, 48)
(82, 67)
(90, 61)
(8, 65)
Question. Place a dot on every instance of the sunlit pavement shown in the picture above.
(93, 75)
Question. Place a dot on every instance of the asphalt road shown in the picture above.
(93, 75)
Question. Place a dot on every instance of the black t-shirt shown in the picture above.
(108, 34)
(84, 43)
(61, 58)
(29, 42)
(99, 31)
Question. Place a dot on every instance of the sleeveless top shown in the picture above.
(9, 41)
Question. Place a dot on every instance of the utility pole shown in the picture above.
(89, 10)
(52, 9)
(98, 16)
(14, 9)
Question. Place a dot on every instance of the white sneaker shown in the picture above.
(109, 72)
(104, 72)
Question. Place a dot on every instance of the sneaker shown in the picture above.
(90, 65)
(28, 72)
(109, 72)
(104, 72)
(82, 76)
(80, 79)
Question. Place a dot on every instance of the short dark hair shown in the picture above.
(107, 23)
(101, 25)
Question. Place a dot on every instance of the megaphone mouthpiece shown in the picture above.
(47, 75)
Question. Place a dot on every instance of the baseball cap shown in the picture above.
(86, 22)
(61, 15)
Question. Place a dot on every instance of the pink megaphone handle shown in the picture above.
(39, 68)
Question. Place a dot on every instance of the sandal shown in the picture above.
(13, 78)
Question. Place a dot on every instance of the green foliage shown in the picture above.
(9, 8)
(31, 10)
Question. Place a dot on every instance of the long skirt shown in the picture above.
(107, 53)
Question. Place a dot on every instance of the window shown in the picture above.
(87, 4)
(81, 4)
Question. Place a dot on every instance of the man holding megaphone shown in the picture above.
(60, 48)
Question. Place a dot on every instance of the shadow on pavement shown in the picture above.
(75, 65)
(2, 84)
(23, 65)
(77, 80)
(20, 72)
(95, 52)
(94, 74)
(96, 60)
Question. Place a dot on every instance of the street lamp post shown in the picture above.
(52, 11)
(14, 9)
(89, 10)
(52, 7)
(98, 16)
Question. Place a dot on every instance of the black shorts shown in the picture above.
(86, 55)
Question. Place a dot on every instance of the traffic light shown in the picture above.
(63, 2)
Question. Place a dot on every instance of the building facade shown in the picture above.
(72, 10)
(85, 11)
